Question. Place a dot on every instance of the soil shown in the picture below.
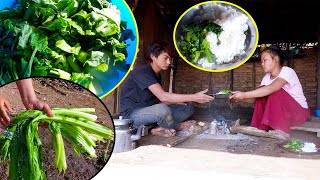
(64, 94)
(221, 155)
(234, 143)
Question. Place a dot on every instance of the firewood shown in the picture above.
(237, 128)
(196, 130)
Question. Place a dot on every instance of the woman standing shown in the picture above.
(279, 102)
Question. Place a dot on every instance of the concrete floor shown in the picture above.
(158, 162)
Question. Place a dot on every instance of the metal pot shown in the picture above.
(125, 139)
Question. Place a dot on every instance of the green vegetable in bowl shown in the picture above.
(193, 43)
(225, 91)
(24, 148)
(294, 145)
(40, 38)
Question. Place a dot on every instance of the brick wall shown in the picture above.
(188, 79)
(247, 77)
(306, 69)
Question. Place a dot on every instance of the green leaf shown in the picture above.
(103, 67)
(61, 74)
(71, 9)
(74, 64)
(63, 45)
(294, 145)
(39, 41)
(58, 147)
(82, 79)
(97, 58)
(25, 34)
(105, 28)
(29, 69)
(193, 43)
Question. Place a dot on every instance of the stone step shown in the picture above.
(312, 125)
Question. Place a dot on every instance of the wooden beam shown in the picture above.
(231, 79)
(318, 68)
(210, 89)
(237, 128)
(254, 74)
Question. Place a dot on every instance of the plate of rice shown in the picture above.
(300, 147)
(215, 36)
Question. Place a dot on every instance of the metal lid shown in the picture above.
(121, 122)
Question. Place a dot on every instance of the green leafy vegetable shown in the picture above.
(42, 37)
(193, 41)
(294, 145)
(225, 91)
(23, 147)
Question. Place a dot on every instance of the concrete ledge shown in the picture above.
(311, 126)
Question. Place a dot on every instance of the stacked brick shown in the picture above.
(248, 76)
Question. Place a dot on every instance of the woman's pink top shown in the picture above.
(293, 85)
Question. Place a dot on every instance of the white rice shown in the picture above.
(234, 25)
(309, 147)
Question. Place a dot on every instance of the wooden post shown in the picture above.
(253, 75)
(318, 68)
(231, 79)
(210, 88)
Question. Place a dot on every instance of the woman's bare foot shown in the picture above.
(185, 126)
(280, 132)
(159, 131)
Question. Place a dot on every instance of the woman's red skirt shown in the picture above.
(278, 111)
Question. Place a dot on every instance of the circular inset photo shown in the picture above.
(215, 36)
(52, 129)
(93, 43)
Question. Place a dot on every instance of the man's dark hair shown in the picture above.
(157, 48)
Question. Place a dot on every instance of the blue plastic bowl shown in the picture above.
(7, 4)
(317, 111)
(126, 15)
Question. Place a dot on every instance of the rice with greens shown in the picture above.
(231, 41)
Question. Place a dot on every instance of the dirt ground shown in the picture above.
(222, 110)
(222, 156)
(238, 144)
(62, 94)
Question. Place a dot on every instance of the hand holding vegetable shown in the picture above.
(38, 105)
(24, 148)
(201, 97)
(4, 107)
(29, 98)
